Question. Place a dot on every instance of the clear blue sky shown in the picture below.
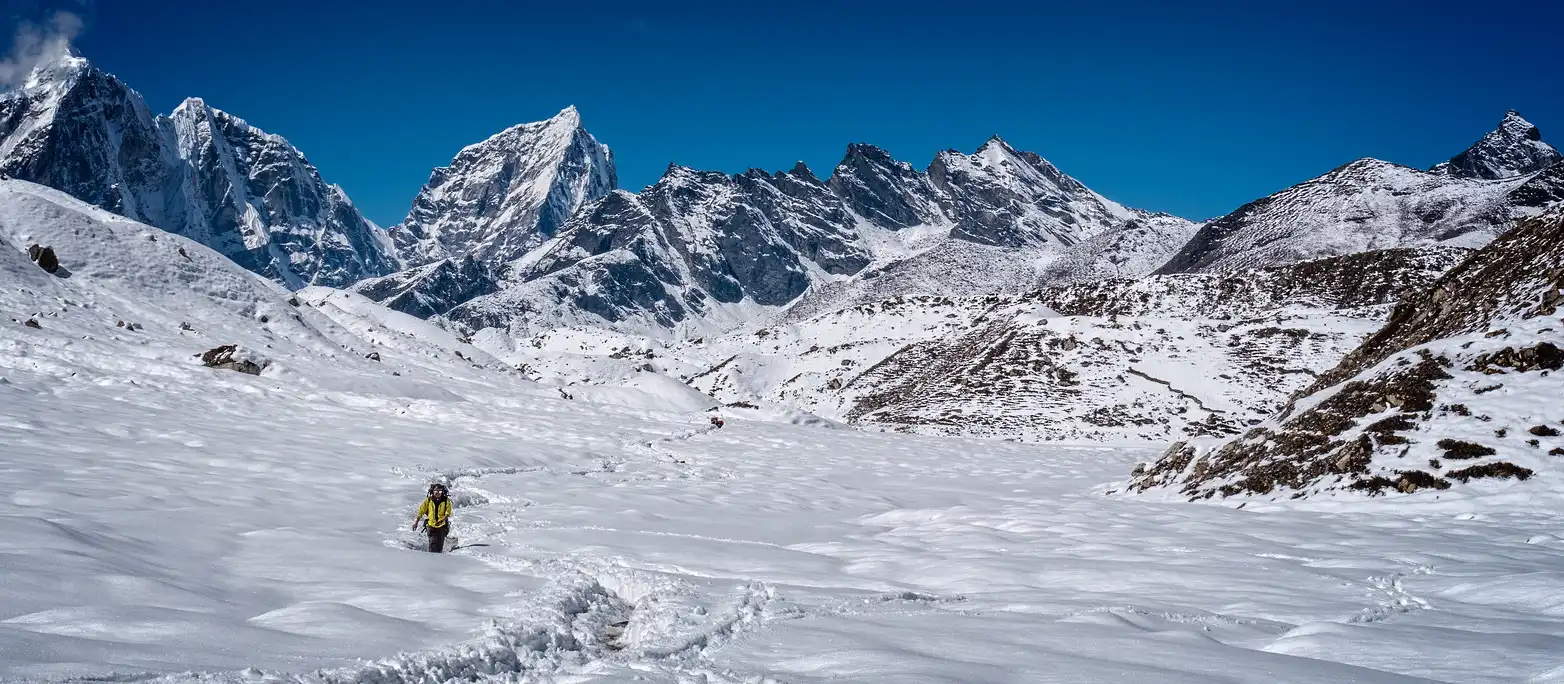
(1188, 109)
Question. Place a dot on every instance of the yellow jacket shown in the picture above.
(438, 514)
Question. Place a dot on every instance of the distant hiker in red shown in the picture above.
(716, 421)
(436, 509)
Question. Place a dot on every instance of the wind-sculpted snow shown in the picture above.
(201, 173)
(168, 522)
(1458, 387)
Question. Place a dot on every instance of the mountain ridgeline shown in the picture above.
(199, 172)
(528, 229)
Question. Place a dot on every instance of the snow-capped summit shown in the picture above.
(1372, 204)
(1513, 149)
(200, 173)
(696, 249)
(505, 195)
(999, 196)
(292, 225)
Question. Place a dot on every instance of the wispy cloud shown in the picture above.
(35, 44)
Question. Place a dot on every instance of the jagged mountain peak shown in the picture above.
(503, 196)
(1514, 148)
(198, 172)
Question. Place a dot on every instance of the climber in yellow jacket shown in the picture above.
(436, 510)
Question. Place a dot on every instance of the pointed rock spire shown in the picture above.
(1513, 149)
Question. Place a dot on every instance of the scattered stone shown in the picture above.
(293, 301)
(834, 384)
(1457, 450)
(1556, 451)
(1501, 469)
(1413, 480)
(44, 257)
(32, 323)
(231, 357)
(373, 356)
(1544, 431)
(186, 327)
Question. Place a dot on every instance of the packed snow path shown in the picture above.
(243, 523)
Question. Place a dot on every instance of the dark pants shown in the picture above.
(437, 537)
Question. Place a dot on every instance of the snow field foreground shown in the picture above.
(171, 522)
(270, 533)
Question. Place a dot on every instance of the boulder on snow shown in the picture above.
(44, 257)
(32, 323)
(232, 357)
(373, 356)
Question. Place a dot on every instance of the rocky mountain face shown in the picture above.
(1512, 150)
(689, 246)
(200, 172)
(705, 250)
(500, 198)
(1371, 204)
(1460, 385)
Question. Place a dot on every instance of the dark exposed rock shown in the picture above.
(1544, 431)
(230, 357)
(1456, 450)
(373, 356)
(1413, 480)
(32, 323)
(44, 257)
(1500, 469)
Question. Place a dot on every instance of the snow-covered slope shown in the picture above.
(1461, 385)
(1371, 204)
(168, 523)
(201, 173)
(504, 196)
(1151, 359)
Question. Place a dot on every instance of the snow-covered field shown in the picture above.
(164, 519)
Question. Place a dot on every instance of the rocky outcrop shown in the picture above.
(1389, 413)
(234, 358)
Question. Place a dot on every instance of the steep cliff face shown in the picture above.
(200, 172)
